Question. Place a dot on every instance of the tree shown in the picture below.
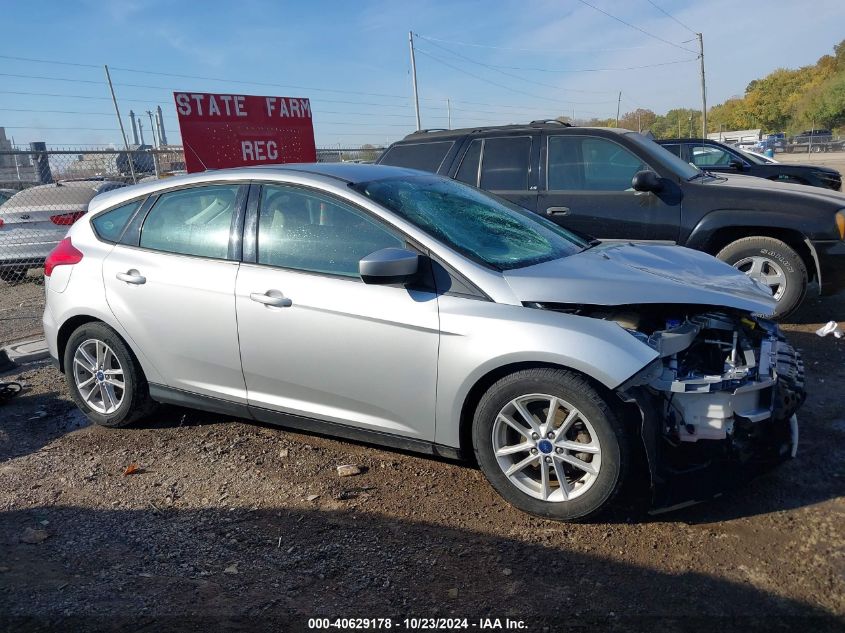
(640, 120)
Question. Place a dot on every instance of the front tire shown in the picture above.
(775, 264)
(550, 444)
(105, 379)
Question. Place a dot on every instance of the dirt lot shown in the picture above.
(829, 159)
(21, 306)
(228, 525)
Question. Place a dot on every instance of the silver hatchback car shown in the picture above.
(401, 308)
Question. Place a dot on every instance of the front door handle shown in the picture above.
(557, 211)
(132, 277)
(272, 298)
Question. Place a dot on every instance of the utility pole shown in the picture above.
(618, 105)
(703, 86)
(639, 122)
(122, 129)
(448, 113)
(152, 128)
(414, 77)
(155, 145)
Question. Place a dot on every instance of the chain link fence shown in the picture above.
(43, 192)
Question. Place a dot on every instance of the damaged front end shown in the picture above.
(718, 405)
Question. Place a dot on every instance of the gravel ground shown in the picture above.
(829, 159)
(21, 305)
(228, 525)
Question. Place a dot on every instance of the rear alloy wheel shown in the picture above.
(549, 444)
(104, 377)
(773, 263)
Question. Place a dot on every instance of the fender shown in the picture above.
(150, 372)
(739, 218)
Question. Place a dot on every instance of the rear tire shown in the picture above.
(773, 262)
(582, 435)
(104, 378)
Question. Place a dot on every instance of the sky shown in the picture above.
(496, 62)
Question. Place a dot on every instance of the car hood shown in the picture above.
(784, 190)
(629, 273)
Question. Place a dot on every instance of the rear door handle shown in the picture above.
(132, 277)
(272, 298)
(557, 211)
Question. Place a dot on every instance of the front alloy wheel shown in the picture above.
(546, 447)
(550, 444)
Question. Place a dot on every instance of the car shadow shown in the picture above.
(273, 569)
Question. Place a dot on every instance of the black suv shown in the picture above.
(618, 185)
(720, 158)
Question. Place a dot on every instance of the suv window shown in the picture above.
(309, 231)
(193, 221)
(710, 156)
(590, 163)
(675, 148)
(109, 225)
(505, 162)
(425, 156)
(468, 171)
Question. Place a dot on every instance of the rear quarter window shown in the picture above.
(424, 156)
(109, 225)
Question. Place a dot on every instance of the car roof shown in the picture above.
(349, 172)
(71, 194)
(425, 135)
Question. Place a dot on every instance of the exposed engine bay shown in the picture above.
(719, 402)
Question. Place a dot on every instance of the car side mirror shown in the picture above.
(737, 164)
(389, 266)
(646, 180)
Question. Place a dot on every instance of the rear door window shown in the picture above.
(424, 156)
(505, 163)
(194, 221)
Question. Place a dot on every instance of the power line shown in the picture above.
(669, 15)
(47, 61)
(78, 81)
(633, 26)
(484, 79)
(561, 70)
(182, 76)
(543, 51)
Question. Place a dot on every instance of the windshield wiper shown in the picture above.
(590, 245)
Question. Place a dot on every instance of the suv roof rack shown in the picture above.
(431, 129)
(545, 121)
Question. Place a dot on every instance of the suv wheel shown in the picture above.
(104, 377)
(550, 444)
(773, 263)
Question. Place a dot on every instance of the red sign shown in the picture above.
(225, 130)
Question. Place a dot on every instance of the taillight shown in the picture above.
(65, 254)
(66, 219)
